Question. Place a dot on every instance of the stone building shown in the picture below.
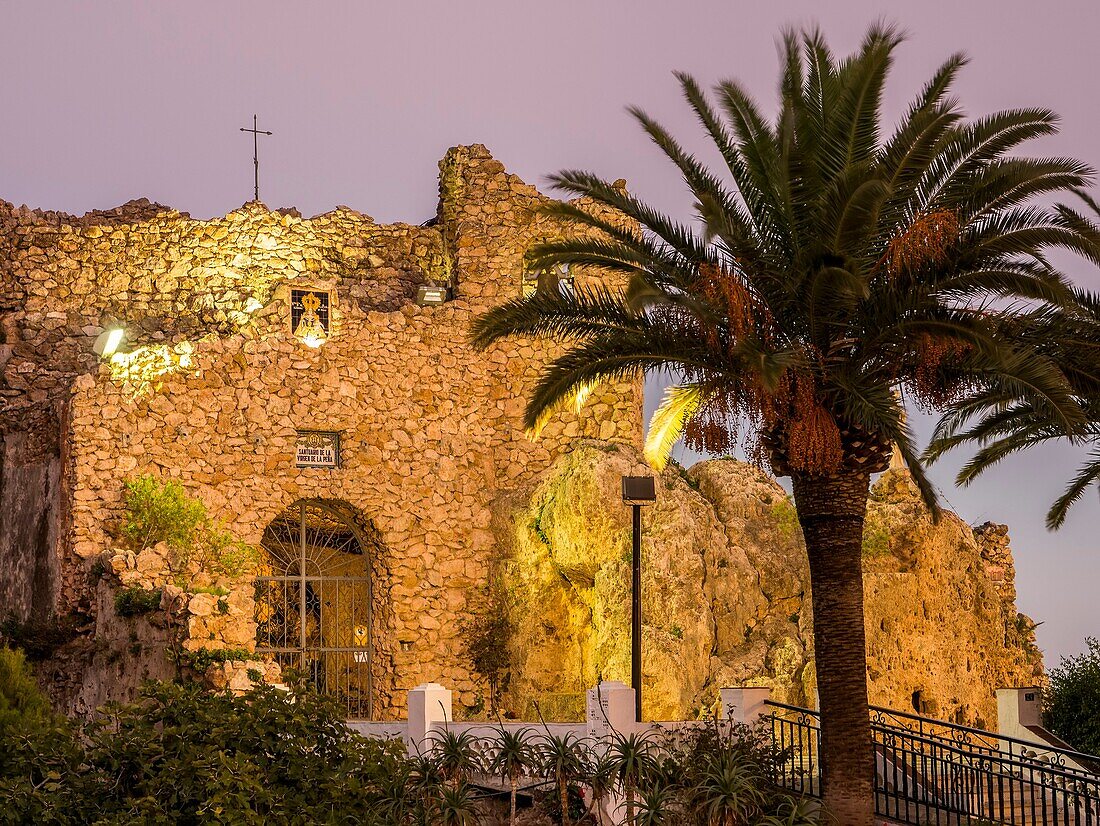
(283, 373)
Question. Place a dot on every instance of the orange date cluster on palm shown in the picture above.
(860, 450)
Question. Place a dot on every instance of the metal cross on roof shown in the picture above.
(256, 132)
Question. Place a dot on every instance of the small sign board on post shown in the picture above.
(317, 448)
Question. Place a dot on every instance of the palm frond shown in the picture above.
(679, 404)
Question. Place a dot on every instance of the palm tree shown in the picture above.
(832, 274)
(1070, 335)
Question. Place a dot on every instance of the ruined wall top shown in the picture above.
(165, 276)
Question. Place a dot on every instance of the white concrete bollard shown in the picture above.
(744, 705)
(610, 706)
(429, 706)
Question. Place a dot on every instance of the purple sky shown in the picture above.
(104, 102)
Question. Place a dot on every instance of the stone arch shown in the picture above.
(318, 606)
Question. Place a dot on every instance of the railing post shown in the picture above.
(610, 706)
(745, 704)
(429, 705)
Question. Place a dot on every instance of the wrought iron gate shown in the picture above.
(313, 605)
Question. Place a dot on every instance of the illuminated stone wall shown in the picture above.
(726, 594)
(212, 397)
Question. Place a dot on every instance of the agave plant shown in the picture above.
(515, 756)
(457, 806)
(599, 775)
(727, 790)
(425, 783)
(833, 273)
(793, 812)
(657, 806)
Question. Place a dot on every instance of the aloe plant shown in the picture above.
(515, 756)
(632, 761)
(457, 756)
(560, 757)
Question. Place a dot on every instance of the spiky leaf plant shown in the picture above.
(515, 755)
(834, 271)
(457, 755)
(561, 758)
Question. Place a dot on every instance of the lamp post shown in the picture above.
(637, 491)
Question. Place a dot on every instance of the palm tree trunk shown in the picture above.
(512, 803)
(831, 510)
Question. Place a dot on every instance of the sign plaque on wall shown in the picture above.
(317, 448)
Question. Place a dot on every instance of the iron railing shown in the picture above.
(932, 772)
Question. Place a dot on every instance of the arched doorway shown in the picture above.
(314, 609)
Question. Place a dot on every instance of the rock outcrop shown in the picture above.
(726, 593)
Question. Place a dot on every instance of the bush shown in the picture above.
(130, 602)
(187, 756)
(1072, 701)
(487, 642)
(159, 511)
(23, 706)
(38, 639)
(183, 755)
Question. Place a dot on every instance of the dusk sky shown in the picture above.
(108, 101)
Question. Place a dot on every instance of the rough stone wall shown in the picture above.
(726, 598)
(216, 385)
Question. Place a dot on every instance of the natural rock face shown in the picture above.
(725, 588)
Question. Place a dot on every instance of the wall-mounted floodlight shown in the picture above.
(108, 342)
(429, 295)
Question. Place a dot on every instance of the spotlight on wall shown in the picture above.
(429, 295)
(108, 342)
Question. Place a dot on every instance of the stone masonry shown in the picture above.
(215, 385)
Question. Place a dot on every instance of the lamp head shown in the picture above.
(639, 490)
(108, 342)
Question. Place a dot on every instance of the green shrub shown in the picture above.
(183, 755)
(23, 706)
(1072, 700)
(161, 512)
(226, 555)
(487, 640)
(186, 756)
(130, 602)
(876, 537)
(201, 659)
(786, 518)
